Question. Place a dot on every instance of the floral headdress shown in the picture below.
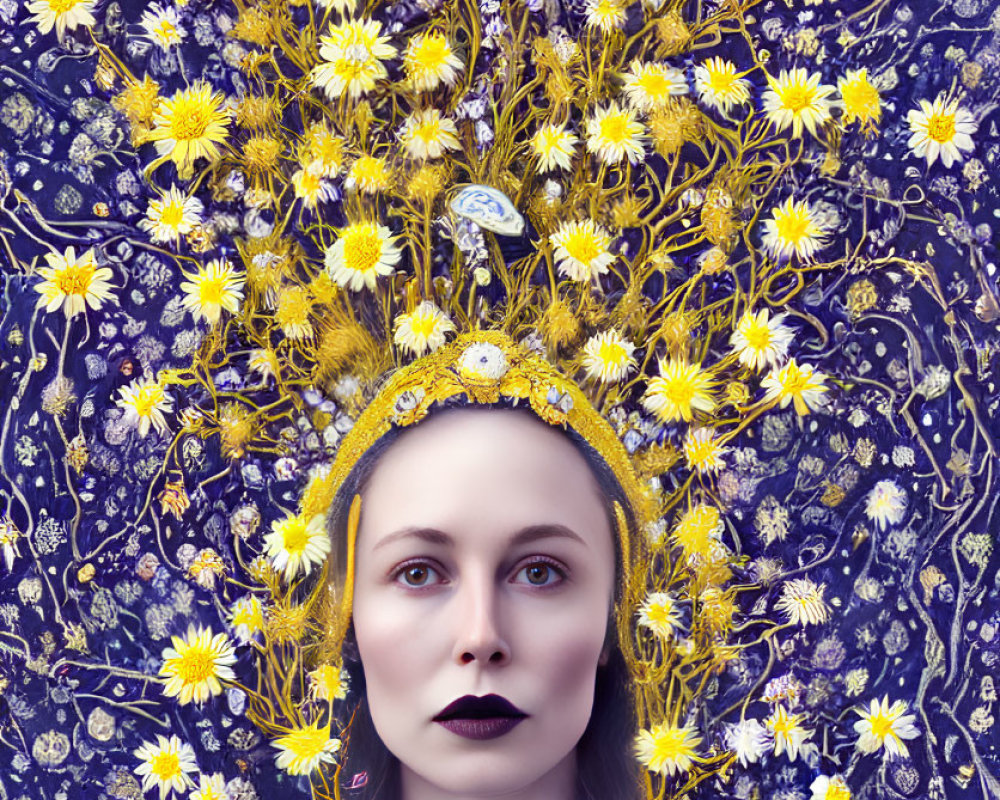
(446, 199)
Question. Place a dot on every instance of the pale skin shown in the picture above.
(485, 565)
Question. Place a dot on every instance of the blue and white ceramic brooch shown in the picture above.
(489, 209)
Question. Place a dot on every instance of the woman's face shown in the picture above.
(484, 566)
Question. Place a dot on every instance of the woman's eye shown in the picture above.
(416, 575)
(541, 574)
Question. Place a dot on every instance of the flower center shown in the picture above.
(794, 226)
(146, 400)
(195, 666)
(615, 128)
(165, 765)
(758, 336)
(190, 120)
(797, 98)
(612, 353)
(75, 278)
(362, 250)
(62, 6)
(941, 127)
(583, 247)
(721, 82)
(881, 726)
(172, 216)
(296, 537)
(213, 290)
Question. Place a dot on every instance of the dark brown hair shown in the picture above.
(607, 770)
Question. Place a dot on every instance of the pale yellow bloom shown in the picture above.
(162, 26)
(614, 134)
(582, 250)
(302, 750)
(171, 216)
(793, 229)
(62, 15)
(554, 146)
(798, 384)
(73, 283)
(423, 330)
(217, 286)
(166, 765)
(886, 726)
(607, 357)
(352, 55)
(430, 61)
(667, 749)
(761, 342)
(661, 614)
(210, 787)
(649, 87)
(361, 254)
(789, 733)
(859, 99)
(703, 450)
(941, 129)
(190, 125)
(802, 602)
(369, 174)
(679, 391)
(295, 544)
(427, 134)
(606, 16)
(796, 99)
(194, 668)
(145, 401)
(719, 86)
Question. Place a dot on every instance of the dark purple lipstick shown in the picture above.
(480, 717)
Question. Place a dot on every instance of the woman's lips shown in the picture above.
(485, 728)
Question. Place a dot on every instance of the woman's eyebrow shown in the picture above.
(532, 533)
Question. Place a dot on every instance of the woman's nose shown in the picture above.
(480, 636)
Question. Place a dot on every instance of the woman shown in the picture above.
(482, 648)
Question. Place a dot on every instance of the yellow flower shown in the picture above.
(607, 357)
(216, 286)
(309, 185)
(796, 98)
(667, 749)
(62, 15)
(73, 283)
(829, 788)
(613, 134)
(941, 129)
(698, 529)
(144, 401)
(162, 26)
(760, 341)
(210, 787)
(323, 150)
(303, 749)
(423, 330)
(190, 125)
(650, 86)
(718, 85)
(679, 391)
(362, 253)
(606, 16)
(172, 216)
(369, 174)
(246, 618)
(885, 726)
(426, 134)
(859, 99)
(554, 146)
(582, 250)
(789, 733)
(802, 602)
(328, 682)
(793, 229)
(703, 450)
(352, 56)
(196, 664)
(429, 62)
(166, 765)
(292, 313)
(296, 544)
(798, 384)
(661, 613)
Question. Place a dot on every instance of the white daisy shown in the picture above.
(650, 86)
(760, 341)
(749, 739)
(295, 545)
(423, 330)
(166, 765)
(162, 26)
(886, 504)
(171, 216)
(361, 254)
(582, 250)
(718, 85)
(886, 726)
(793, 229)
(802, 602)
(796, 98)
(941, 129)
(607, 357)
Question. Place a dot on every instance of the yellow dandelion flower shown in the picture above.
(292, 313)
(607, 357)
(650, 86)
(554, 146)
(190, 125)
(885, 726)
(793, 229)
(296, 544)
(680, 390)
(429, 61)
(328, 682)
(369, 174)
(62, 15)
(310, 187)
(194, 668)
(362, 253)
(662, 614)
(73, 283)
(613, 134)
(427, 134)
(582, 250)
(216, 286)
(719, 86)
(323, 150)
(698, 529)
(145, 401)
(760, 341)
(171, 216)
(166, 764)
(859, 99)
(423, 330)
(352, 55)
(246, 618)
(606, 16)
(302, 750)
(941, 129)
(703, 450)
(796, 98)
(802, 602)
(796, 383)
(667, 749)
